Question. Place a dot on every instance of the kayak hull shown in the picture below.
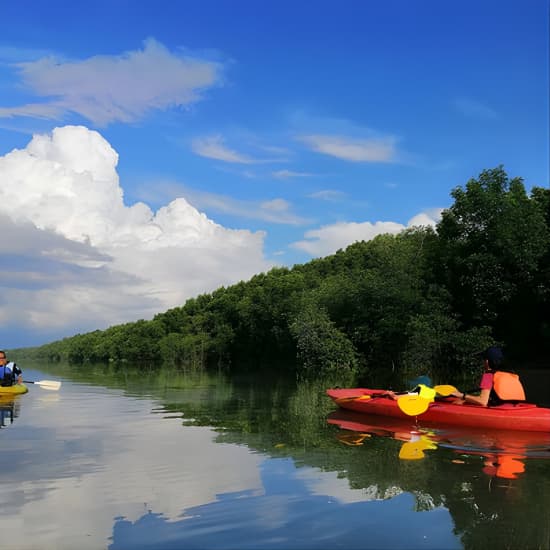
(16, 389)
(508, 416)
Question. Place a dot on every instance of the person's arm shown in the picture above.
(481, 399)
(17, 371)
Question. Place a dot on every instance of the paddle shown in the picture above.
(46, 384)
(365, 397)
(411, 404)
(445, 390)
(414, 404)
(353, 398)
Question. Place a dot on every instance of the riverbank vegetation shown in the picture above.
(415, 302)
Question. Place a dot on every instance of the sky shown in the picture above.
(154, 151)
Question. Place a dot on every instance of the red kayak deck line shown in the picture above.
(508, 416)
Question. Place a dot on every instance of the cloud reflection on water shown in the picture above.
(95, 467)
(77, 463)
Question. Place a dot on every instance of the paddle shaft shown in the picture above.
(368, 396)
(416, 404)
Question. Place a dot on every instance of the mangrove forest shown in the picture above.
(425, 299)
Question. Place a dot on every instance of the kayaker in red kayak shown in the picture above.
(494, 385)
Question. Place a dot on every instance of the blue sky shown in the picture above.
(151, 151)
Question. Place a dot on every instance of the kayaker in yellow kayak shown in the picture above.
(495, 386)
(10, 373)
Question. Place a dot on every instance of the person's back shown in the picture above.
(507, 388)
(492, 360)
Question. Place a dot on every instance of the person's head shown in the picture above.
(493, 358)
(3, 358)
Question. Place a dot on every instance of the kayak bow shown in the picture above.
(16, 389)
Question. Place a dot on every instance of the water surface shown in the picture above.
(120, 461)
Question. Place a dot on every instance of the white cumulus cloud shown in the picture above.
(81, 259)
(329, 238)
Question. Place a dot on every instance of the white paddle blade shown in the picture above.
(48, 384)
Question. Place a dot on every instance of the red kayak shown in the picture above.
(508, 416)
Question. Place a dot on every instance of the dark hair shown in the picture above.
(2, 352)
(494, 355)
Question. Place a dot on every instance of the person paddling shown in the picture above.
(10, 373)
(494, 384)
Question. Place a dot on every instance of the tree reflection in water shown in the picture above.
(497, 486)
(472, 490)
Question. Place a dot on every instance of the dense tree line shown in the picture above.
(422, 300)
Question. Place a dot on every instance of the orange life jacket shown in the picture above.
(508, 387)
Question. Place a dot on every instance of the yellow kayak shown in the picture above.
(16, 389)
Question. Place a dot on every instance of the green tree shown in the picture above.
(322, 348)
(492, 240)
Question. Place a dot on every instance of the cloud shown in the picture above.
(352, 149)
(430, 217)
(329, 238)
(84, 259)
(131, 465)
(328, 195)
(274, 211)
(34, 110)
(222, 204)
(105, 89)
(213, 147)
(474, 108)
(288, 174)
(276, 205)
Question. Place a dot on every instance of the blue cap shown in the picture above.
(494, 355)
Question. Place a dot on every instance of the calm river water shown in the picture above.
(197, 461)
